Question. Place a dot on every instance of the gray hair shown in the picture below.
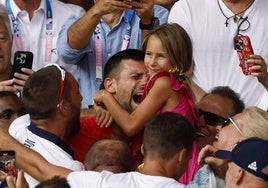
(5, 17)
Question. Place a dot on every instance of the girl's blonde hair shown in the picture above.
(254, 123)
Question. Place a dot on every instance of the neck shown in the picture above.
(112, 19)
(154, 168)
(51, 126)
(28, 5)
(238, 6)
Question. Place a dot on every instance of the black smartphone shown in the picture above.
(7, 164)
(22, 59)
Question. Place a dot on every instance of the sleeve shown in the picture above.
(65, 52)
(161, 13)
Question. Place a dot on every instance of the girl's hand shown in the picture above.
(98, 97)
(103, 116)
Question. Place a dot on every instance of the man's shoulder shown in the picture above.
(67, 8)
(132, 179)
(19, 124)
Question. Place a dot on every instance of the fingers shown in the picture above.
(205, 152)
(21, 181)
(7, 85)
(103, 118)
(11, 181)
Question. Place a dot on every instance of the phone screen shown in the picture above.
(7, 164)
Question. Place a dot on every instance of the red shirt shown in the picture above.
(90, 132)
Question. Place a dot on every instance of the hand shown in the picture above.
(259, 69)
(21, 78)
(206, 156)
(19, 182)
(7, 85)
(99, 96)
(103, 116)
(144, 9)
(103, 7)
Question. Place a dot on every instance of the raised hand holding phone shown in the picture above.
(244, 49)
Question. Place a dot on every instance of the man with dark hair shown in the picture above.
(51, 97)
(215, 107)
(109, 154)
(124, 77)
(10, 108)
(55, 182)
(167, 147)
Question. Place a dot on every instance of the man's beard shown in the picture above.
(74, 122)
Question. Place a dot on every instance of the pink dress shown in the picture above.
(185, 107)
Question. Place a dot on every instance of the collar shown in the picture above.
(16, 10)
(50, 137)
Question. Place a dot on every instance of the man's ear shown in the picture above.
(182, 155)
(239, 175)
(110, 85)
(64, 107)
(142, 149)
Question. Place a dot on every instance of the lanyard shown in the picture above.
(98, 45)
(16, 30)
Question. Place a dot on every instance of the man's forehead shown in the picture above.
(133, 65)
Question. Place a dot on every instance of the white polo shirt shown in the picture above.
(51, 147)
(105, 179)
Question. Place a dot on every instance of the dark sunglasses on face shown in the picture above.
(211, 118)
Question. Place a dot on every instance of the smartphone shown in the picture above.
(7, 164)
(22, 59)
(244, 49)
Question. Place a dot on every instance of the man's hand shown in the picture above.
(20, 78)
(144, 9)
(7, 85)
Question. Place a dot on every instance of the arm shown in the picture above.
(259, 69)
(132, 123)
(81, 31)
(29, 160)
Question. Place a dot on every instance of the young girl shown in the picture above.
(168, 55)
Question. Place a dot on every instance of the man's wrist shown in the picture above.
(154, 23)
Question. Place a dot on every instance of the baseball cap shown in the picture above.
(250, 154)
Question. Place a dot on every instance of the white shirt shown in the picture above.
(51, 147)
(33, 32)
(216, 61)
(105, 179)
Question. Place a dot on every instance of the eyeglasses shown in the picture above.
(230, 120)
(62, 72)
(211, 118)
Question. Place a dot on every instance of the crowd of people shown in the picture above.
(135, 93)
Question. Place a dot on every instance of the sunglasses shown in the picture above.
(211, 118)
(62, 72)
(231, 121)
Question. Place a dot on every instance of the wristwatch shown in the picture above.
(150, 26)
